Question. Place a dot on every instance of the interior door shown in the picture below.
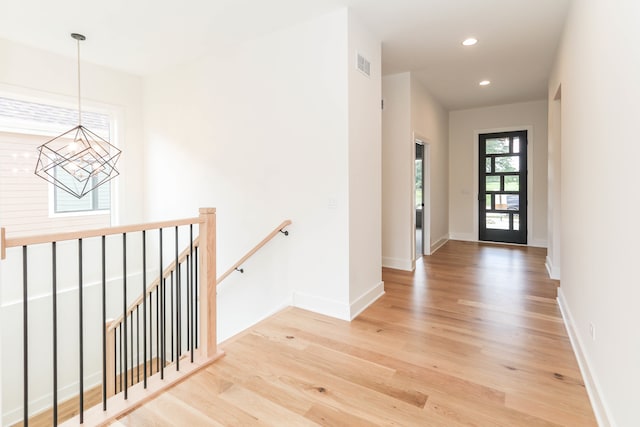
(503, 187)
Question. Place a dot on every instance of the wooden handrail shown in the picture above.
(152, 384)
(85, 234)
(254, 250)
(166, 273)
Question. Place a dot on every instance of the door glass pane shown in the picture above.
(512, 183)
(488, 201)
(513, 202)
(507, 202)
(508, 164)
(516, 145)
(501, 202)
(516, 222)
(487, 168)
(493, 183)
(497, 221)
(497, 146)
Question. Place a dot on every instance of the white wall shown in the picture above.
(598, 68)
(397, 170)
(409, 109)
(554, 201)
(40, 76)
(464, 127)
(263, 135)
(365, 170)
(430, 120)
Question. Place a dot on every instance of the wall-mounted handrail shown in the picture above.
(255, 249)
(85, 234)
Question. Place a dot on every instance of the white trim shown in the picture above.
(321, 305)
(554, 272)
(600, 408)
(464, 237)
(366, 299)
(397, 263)
(530, 193)
(440, 243)
(537, 243)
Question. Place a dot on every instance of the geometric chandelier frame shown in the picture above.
(77, 161)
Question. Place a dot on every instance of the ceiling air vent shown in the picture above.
(364, 65)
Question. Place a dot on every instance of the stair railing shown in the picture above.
(192, 275)
(256, 248)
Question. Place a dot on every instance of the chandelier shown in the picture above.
(77, 161)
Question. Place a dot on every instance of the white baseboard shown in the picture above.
(554, 272)
(398, 264)
(322, 305)
(366, 299)
(538, 243)
(440, 243)
(465, 237)
(600, 408)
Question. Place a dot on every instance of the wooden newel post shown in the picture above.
(207, 291)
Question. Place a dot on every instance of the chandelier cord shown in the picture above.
(79, 98)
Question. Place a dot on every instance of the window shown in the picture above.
(28, 204)
(97, 200)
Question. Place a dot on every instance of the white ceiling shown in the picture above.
(518, 38)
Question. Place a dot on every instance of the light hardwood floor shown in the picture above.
(474, 337)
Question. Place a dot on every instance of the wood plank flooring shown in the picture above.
(474, 337)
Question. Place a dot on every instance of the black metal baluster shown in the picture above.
(115, 360)
(131, 347)
(54, 298)
(197, 286)
(104, 330)
(138, 342)
(171, 322)
(164, 322)
(191, 283)
(124, 308)
(150, 334)
(144, 304)
(80, 329)
(161, 284)
(178, 303)
(188, 301)
(25, 340)
(158, 328)
(121, 359)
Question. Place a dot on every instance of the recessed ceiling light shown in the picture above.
(484, 83)
(470, 41)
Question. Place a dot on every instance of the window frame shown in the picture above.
(51, 130)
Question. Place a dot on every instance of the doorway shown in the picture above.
(420, 199)
(503, 187)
